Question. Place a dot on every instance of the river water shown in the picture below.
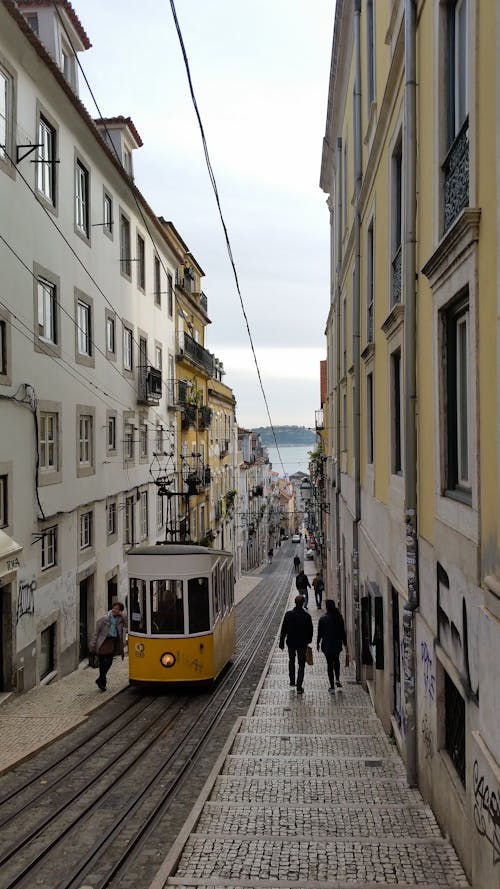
(294, 459)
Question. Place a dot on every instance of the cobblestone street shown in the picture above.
(310, 792)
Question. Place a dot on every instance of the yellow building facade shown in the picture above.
(410, 167)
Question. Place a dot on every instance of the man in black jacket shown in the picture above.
(303, 585)
(331, 638)
(297, 630)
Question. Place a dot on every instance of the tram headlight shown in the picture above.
(167, 659)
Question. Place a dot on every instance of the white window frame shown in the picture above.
(107, 214)
(86, 530)
(125, 256)
(128, 528)
(111, 434)
(45, 164)
(128, 442)
(111, 334)
(47, 311)
(84, 328)
(158, 358)
(49, 548)
(144, 517)
(159, 439)
(128, 349)
(160, 509)
(141, 262)
(143, 441)
(82, 193)
(48, 442)
(157, 279)
(111, 518)
(6, 110)
(85, 440)
(4, 503)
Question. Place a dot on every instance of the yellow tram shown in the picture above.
(181, 613)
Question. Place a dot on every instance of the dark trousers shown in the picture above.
(105, 661)
(333, 666)
(319, 596)
(301, 660)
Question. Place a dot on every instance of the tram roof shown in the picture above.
(174, 549)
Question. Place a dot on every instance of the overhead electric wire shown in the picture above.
(221, 215)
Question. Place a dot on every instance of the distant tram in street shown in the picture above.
(181, 613)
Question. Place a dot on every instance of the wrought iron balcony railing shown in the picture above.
(150, 386)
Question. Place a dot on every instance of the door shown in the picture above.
(83, 649)
(112, 591)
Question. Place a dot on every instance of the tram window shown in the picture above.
(137, 605)
(199, 611)
(216, 585)
(167, 607)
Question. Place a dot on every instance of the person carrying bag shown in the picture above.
(108, 640)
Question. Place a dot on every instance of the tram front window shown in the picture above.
(137, 605)
(167, 607)
(198, 604)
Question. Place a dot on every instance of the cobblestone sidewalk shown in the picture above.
(310, 793)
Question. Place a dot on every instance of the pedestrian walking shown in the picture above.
(296, 563)
(270, 554)
(108, 640)
(297, 632)
(331, 638)
(303, 585)
(318, 586)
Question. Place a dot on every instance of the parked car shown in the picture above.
(309, 554)
(296, 538)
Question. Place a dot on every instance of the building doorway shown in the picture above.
(112, 591)
(5, 637)
(86, 588)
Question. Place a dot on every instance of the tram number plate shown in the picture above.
(139, 649)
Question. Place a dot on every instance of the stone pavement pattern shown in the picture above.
(311, 793)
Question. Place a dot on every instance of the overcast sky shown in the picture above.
(260, 74)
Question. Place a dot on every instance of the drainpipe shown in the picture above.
(358, 171)
(410, 468)
(338, 476)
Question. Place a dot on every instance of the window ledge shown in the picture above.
(458, 240)
(394, 320)
(368, 352)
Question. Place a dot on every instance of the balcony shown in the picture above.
(185, 280)
(456, 177)
(149, 388)
(197, 354)
(319, 420)
(189, 416)
(204, 417)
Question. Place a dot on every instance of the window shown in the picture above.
(396, 657)
(111, 439)
(83, 321)
(158, 358)
(171, 380)
(110, 334)
(45, 161)
(370, 48)
(396, 223)
(127, 161)
(49, 548)
(32, 19)
(4, 514)
(85, 440)
(129, 519)
(125, 261)
(344, 337)
(370, 286)
(47, 303)
(167, 607)
(128, 442)
(3, 347)
(170, 295)
(454, 710)
(159, 511)
(111, 518)
(159, 439)
(144, 515)
(143, 441)
(344, 422)
(86, 530)
(141, 262)
(128, 355)
(157, 277)
(396, 412)
(6, 102)
(458, 425)
(107, 213)
(198, 605)
(458, 105)
(47, 446)
(346, 190)
(370, 416)
(82, 198)
(68, 63)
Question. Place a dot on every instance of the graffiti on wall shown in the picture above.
(25, 598)
(426, 737)
(487, 812)
(429, 677)
(457, 628)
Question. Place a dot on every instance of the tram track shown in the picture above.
(114, 819)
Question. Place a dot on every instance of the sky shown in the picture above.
(260, 73)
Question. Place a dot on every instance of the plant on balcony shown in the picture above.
(208, 538)
(258, 490)
(230, 497)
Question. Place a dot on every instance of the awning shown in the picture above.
(10, 554)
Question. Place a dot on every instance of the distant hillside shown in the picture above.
(286, 435)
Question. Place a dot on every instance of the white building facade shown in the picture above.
(87, 349)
